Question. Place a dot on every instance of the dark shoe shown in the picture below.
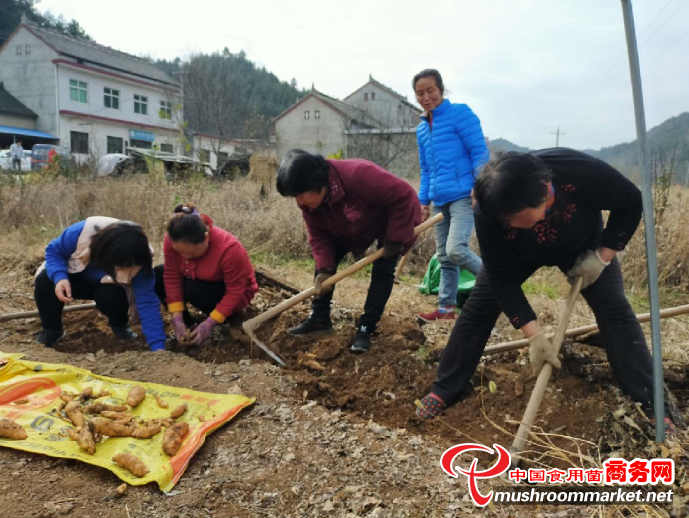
(123, 333)
(362, 342)
(48, 337)
(312, 325)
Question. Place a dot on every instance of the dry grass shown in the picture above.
(268, 223)
(34, 212)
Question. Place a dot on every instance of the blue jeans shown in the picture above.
(452, 236)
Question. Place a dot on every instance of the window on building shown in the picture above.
(317, 114)
(307, 115)
(204, 155)
(365, 97)
(143, 144)
(27, 49)
(165, 110)
(79, 142)
(373, 96)
(19, 50)
(167, 148)
(115, 145)
(111, 98)
(78, 91)
(141, 104)
(222, 158)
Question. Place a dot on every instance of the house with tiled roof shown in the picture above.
(374, 122)
(384, 104)
(88, 97)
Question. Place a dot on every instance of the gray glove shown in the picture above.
(589, 265)
(320, 279)
(542, 351)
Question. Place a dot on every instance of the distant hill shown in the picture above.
(501, 144)
(667, 140)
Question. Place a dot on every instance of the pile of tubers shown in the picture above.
(118, 421)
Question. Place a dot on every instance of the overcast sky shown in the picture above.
(526, 67)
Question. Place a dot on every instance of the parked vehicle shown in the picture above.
(6, 160)
(41, 153)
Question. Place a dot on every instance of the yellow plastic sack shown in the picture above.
(30, 395)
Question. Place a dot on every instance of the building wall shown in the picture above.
(383, 106)
(44, 87)
(96, 83)
(211, 145)
(30, 77)
(17, 122)
(99, 131)
(324, 135)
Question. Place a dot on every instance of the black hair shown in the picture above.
(121, 244)
(186, 225)
(429, 72)
(301, 172)
(510, 183)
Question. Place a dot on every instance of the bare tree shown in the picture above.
(391, 144)
(213, 101)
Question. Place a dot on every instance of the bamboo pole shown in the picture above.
(578, 331)
(32, 314)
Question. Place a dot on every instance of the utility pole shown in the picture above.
(649, 224)
(557, 136)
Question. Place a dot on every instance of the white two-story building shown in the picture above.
(93, 99)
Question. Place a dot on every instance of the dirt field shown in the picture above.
(334, 434)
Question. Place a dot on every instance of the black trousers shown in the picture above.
(203, 295)
(621, 332)
(382, 281)
(110, 299)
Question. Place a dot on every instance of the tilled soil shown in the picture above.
(332, 434)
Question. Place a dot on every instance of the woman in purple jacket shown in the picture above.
(347, 205)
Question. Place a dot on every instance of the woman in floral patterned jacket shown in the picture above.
(544, 209)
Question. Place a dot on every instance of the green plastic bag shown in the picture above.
(431, 281)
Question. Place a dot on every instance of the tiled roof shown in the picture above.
(10, 105)
(94, 53)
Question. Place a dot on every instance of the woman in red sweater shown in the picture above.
(205, 266)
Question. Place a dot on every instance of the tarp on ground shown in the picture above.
(30, 396)
(431, 281)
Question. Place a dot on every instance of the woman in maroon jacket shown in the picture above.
(347, 205)
(205, 266)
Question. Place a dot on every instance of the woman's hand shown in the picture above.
(590, 265)
(181, 331)
(202, 331)
(63, 291)
(425, 212)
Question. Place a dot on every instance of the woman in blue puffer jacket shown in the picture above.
(452, 150)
